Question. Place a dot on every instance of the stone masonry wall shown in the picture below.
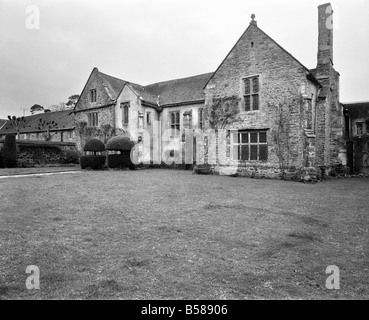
(106, 116)
(102, 97)
(282, 82)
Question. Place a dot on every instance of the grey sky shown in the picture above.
(147, 41)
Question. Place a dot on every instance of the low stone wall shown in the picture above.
(268, 172)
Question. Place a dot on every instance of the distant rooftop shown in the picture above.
(64, 119)
(357, 110)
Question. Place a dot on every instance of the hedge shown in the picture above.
(31, 155)
(121, 161)
(1, 160)
(94, 145)
(9, 152)
(71, 157)
(93, 162)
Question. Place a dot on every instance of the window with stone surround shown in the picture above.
(251, 93)
(201, 118)
(93, 119)
(359, 128)
(175, 123)
(93, 95)
(148, 118)
(250, 145)
(125, 112)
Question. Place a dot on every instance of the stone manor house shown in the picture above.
(275, 111)
(269, 112)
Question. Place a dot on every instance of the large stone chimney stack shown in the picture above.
(325, 41)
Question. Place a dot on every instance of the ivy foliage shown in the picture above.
(223, 111)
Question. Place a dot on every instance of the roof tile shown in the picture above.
(64, 119)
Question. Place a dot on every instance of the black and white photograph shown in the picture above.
(184, 154)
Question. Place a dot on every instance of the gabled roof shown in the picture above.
(64, 119)
(180, 90)
(142, 93)
(253, 24)
(357, 110)
(170, 92)
(113, 85)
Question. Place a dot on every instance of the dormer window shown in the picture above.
(93, 95)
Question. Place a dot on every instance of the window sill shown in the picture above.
(249, 162)
(251, 111)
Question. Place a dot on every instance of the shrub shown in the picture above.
(120, 143)
(202, 169)
(71, 157)
(25, 162)
(93, 162)
(121, 161)
(37, 154)
(1, 160)
(94, 145)
(9, 152)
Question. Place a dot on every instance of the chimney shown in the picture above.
(325, 40)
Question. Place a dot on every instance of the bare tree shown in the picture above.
(45, 127)
(18, 123)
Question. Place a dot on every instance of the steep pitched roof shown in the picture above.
(64, 119)
(170, 92)
(113, 85)
(253, 24)
(141, 92)
(180, 90)
(2, 122)
(357, 110)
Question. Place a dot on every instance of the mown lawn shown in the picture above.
(166, 234)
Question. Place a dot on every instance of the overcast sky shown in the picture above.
(147, 41)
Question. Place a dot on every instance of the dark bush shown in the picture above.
(120, 143)
(9, 152)
(202, 169)
(94, 145)
(1, 160)
(34, 154)
(93, 162)
(25, 161)
(121, 161)
(71, 157)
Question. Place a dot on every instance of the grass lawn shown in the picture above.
(167, 234)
